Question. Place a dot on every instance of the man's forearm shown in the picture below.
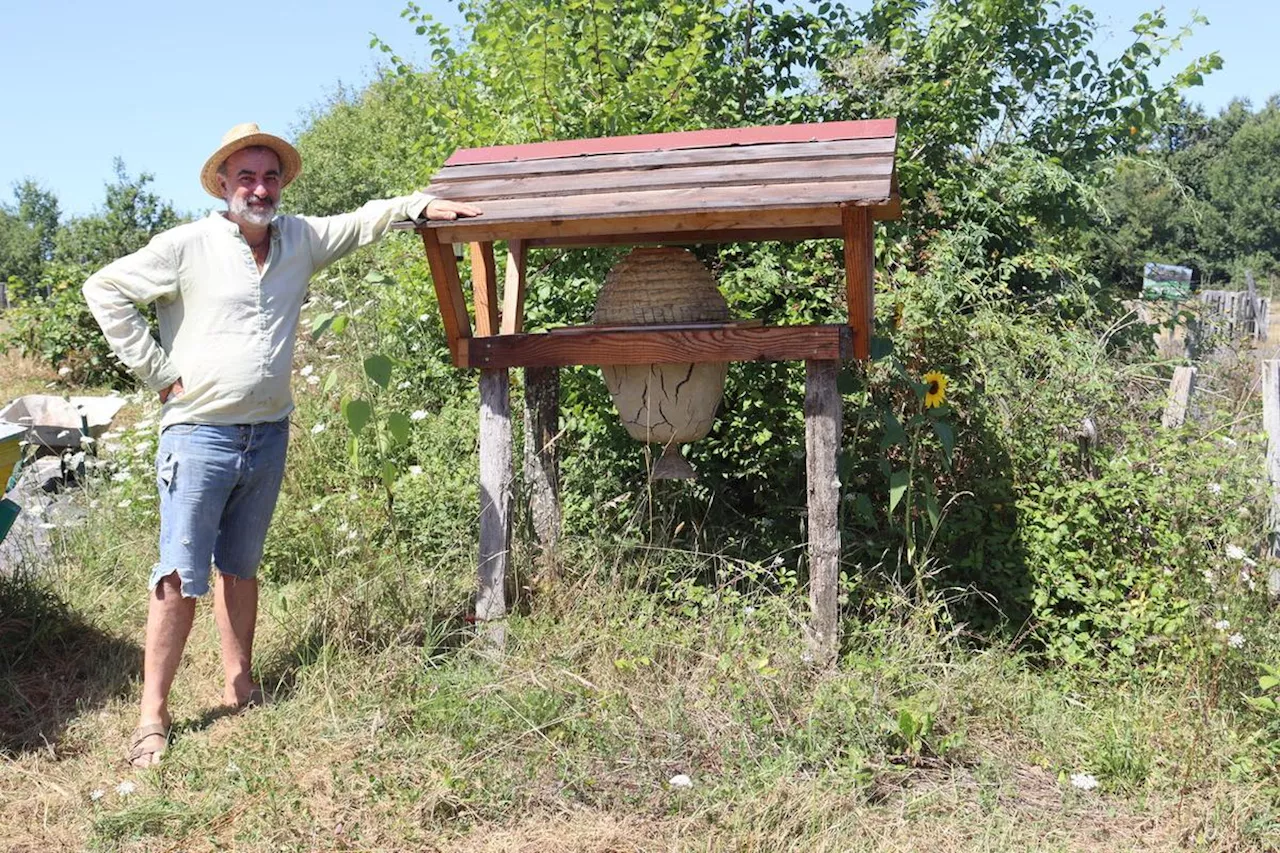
(129, 335)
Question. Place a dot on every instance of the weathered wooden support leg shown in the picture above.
(495, 505)
(822, 425)
(541, 462)
(1271, 423)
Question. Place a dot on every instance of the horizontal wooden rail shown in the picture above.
(731, 342)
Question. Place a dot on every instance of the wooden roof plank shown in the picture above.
(626, 228)
(666, 159)
(686, 200)
(770, 173)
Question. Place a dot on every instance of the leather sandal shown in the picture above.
(142, 744)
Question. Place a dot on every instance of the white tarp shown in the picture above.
(56, 422)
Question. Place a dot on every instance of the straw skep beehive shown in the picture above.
(666, 404)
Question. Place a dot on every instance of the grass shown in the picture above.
(607, 691)
(390, 728)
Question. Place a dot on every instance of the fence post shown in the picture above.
(1271, 423)
(1180, 391)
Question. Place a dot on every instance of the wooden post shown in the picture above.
(495, 505)
(822, 425)
(513, 288)
(541, 462)
(484, 286)
(1271, 423)
(1180, 391)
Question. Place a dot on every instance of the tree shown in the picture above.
(27, 230)
(129, 218)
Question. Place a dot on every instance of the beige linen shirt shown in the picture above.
(226, 329)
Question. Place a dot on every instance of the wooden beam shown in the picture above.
(729, 343)
(677, 238)
(859, 270)
(444, 277)
(628, 219)
(495, 506)
(484, 283)
(513, 288)
(822, 425)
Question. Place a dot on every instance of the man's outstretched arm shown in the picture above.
(333, 237)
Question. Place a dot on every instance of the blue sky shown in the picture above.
(158, 83)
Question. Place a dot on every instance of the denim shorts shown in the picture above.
(218, 488)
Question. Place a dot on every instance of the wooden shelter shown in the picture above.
(793, 182)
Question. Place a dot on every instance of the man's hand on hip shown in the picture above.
(173, 392)
(442, 208)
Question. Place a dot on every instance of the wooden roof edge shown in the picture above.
(764, 135)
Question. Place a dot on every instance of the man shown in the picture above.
(228, 291)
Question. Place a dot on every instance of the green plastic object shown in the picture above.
(8, 515)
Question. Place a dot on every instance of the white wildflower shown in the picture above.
(1235, 552)
(64, 371)
(313, 380)
(1215, 489)
(1168, 571)
(418, 415)
(121, 476)
(415, 470)
(1236, 640)
(94, 504)
(1222, 624)
(1084, 781)
(353, 535)
(748, 611)
(97, 794)
(146, 497)
(339, 305)
(125, 504)
(306, 370)
(405, 384)
(126, 788)
(680, 780)
(143, 446)
(1229, 442)
(145, 423)
(422, 318)
(319, 428)
(48, 526)
(316, 507)
(1209, 577)
(232, 767)
(353, 497)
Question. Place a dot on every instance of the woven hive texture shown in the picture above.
(661, 285)
(667, 404)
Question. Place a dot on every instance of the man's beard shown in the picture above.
(260, 214)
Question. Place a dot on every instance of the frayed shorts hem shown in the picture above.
(193, 583)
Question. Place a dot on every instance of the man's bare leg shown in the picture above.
(235, 609)
(169, 617)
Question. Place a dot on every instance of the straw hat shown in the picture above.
(246, 136)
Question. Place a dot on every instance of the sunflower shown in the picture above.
(935, 391)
